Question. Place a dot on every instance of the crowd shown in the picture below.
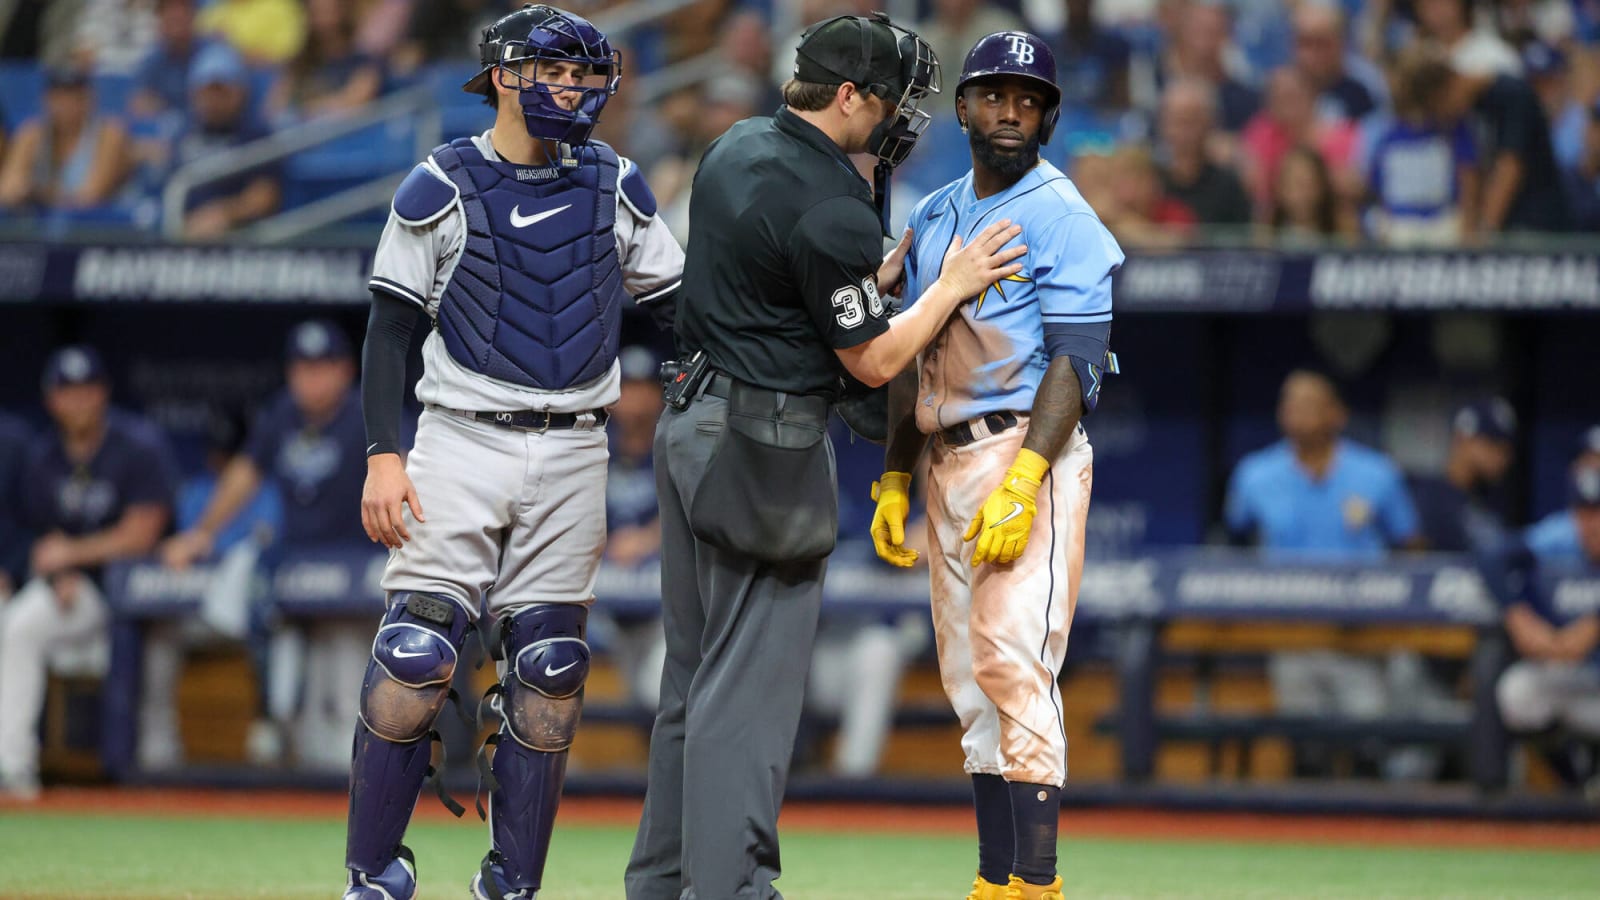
(1425, 123)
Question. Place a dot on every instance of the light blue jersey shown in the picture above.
(994, 350)
(1357, 511)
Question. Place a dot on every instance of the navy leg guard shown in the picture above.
(547, 662)
(406, 686)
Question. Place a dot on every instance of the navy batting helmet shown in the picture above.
(546, 33)
(1016, 53)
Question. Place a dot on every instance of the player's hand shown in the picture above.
(1003, 524)
(969, 269)
(892, 491)
(894, 265)
(181, 550)
(51, 554)
(387, 490)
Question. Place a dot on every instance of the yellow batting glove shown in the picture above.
(1003, 524)
(891, 490)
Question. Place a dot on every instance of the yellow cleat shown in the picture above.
(1018, 889)
(985, 890)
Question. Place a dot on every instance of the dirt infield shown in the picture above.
(1097, 823)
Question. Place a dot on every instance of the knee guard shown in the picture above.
(414, 657)
(547, 662)
(406, 686)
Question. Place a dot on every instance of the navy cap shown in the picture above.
(859, 49)
(1539, 58)
(316, 340)
(639, 364)
(1491, 418)
(66, 76)
(1585, 486)
(77, 364)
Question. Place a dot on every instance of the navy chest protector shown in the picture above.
(536, 299)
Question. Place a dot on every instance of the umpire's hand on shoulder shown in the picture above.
(387, 490)
(892, 491)
(969, 269)
(1003, 524)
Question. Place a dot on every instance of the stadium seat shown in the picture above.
(21, 86)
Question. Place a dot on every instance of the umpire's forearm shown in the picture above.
(383, 370)
(887, 355)
(905, 441)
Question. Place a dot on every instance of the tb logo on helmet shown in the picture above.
(1020, 49)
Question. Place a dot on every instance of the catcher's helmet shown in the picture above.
(1016, 53)
(544, 32)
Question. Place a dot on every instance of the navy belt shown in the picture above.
(996, 422)
(533, 419)
(795, 406)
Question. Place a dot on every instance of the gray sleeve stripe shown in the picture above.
(399, 290)
(659, 292)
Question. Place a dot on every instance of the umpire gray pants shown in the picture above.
(739, 639)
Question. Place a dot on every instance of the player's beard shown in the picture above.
(1009, 164)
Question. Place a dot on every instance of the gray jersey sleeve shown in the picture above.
(414, 262)
(652, 259)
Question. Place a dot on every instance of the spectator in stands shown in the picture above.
(266, 32)
(1551, 22)
(1289, 119)
(1556, 682)
(954, 26)
(381, 25)
(1472, 50)
(1189, 173)
(1093, 62)
(39, 30)
(311, 442)
(1199, 50)
(1556, 536)
(219, 120)
(446, 31)
(1317, 495)
(1135, 207)
(1462, 510)
(15, 438)
(96, 489)
(1423, 171)
(71, 157)
(1348, 86)
(113, 36)
(1522, 185)
(161, 83)
(1550, 77)
(1305, 208)
(330, 75)
(745, 44)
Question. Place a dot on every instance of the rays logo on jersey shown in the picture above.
(999, 287)
(306, 462)
(86, 500)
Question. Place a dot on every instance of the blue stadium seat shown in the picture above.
(113, 93)
(462, 113)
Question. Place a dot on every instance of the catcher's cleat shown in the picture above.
(986, 890)
(497, 888)
(398, 881)
(1018, 889)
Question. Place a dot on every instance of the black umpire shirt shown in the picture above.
(783, 257)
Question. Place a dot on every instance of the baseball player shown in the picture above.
(520, 245)
(1002, 389)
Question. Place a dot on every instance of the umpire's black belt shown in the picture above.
(812, 408)
(533, 419)
(975, 429)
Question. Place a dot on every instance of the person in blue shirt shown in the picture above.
(1316, 494)
(1556, 535)
(310, 442)
(161, 83)
(1462, 508)
(97, 488)
(1556, 682)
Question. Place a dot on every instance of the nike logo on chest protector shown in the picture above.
(521, 221)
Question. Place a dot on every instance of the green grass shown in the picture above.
(58, 855)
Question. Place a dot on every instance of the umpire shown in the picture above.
(783, 291)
